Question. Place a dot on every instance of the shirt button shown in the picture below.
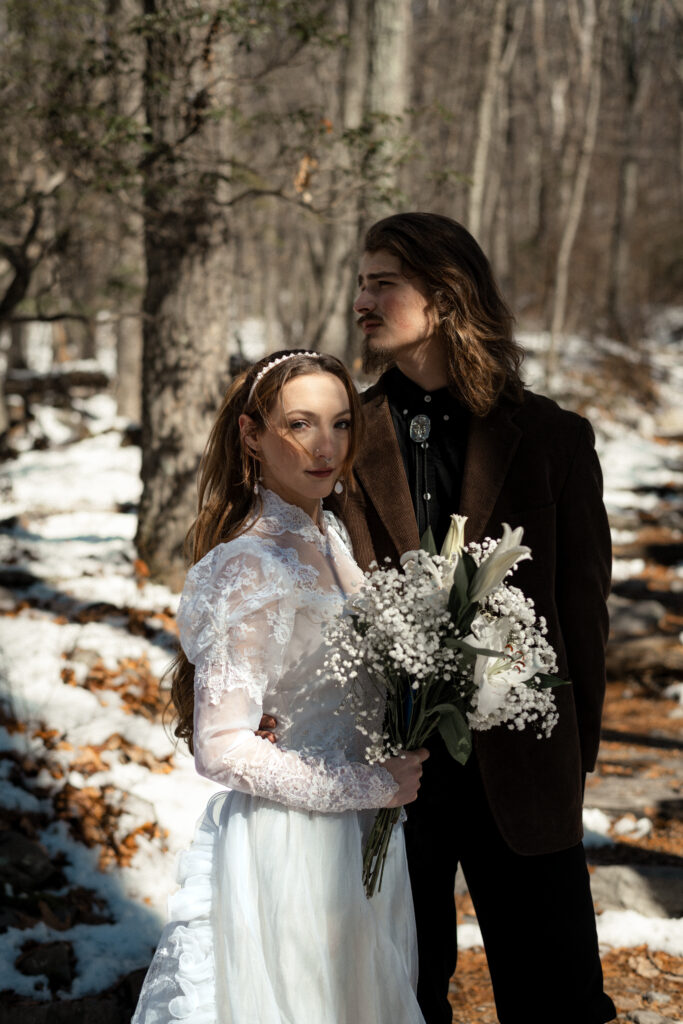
(446, 417)
(428, 398)
(405, 412)
(426, 496)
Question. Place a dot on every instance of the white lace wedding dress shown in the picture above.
(271, 924)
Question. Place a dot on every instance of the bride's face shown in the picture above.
(302, 451)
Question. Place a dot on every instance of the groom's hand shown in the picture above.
(265, 728)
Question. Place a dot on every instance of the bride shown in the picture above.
(271, 924)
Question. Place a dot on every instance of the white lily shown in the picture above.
(413, 561)
(455, 538)
(495, 676)
(493, 569)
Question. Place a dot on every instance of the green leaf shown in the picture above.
(456, 734)
(464, 623)
(441, 709)
(457, 599)
(548, 682)
(462, 645)
(427, 542)
(469, 565)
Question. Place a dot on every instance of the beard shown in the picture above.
(377, 359)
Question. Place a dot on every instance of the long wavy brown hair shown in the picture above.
(228, 471)
(484, 359)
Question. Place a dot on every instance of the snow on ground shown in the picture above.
(73, 538)
(71, 526)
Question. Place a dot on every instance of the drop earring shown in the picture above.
(338, 487)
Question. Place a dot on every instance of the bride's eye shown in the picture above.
(298, 425)
(343, 425)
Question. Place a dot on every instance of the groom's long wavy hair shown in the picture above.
(484, 359)
(228, 472)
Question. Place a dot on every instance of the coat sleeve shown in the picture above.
(584, 559)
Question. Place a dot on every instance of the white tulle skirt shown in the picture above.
(271, 925)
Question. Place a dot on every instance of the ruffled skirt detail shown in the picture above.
(271, 925)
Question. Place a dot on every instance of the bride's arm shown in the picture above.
(227, 751)
(235, 619)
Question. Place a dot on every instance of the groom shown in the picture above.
(449, 428)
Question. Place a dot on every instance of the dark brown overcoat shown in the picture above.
(533, 465)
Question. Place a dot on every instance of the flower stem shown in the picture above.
(376, 849)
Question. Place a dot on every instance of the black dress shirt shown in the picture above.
(434, 467)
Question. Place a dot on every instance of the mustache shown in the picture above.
(369, 316)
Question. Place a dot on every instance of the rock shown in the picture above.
(633, 618)
(23, 862)
(53, 959)
(653, 996)
(659, 656)
(649, 1017)
(651, 891)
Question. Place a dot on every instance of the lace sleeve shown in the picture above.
(235, 620)
(235, 617)
(227, 751)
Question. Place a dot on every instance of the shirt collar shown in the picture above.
(408, 399)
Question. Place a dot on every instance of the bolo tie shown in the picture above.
(419, 431)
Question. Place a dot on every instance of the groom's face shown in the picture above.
(393, 309)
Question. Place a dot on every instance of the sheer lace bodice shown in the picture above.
(251, 620)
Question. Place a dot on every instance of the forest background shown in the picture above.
(184, 186)
(196, 176)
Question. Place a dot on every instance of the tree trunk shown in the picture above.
(485, 119)
(388, 96)
(187, 301)
(621, 308)
(501, 152)
(334, 331)
(128, 388)
(591, 61)
(127, 101)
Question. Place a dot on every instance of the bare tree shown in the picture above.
(388, 96)
(187, 303)
(637, 24)
(588, 25)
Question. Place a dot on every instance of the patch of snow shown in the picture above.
(596, 826)
(636, 828)
(675, 690)
(469, 936)
(628, 928)
(96, 473)
(626, 568)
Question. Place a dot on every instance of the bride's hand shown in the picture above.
(406, 770)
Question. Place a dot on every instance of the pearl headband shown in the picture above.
(276, 362)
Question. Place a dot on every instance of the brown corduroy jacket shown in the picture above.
(534, 465)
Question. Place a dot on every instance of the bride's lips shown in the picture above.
(322, 474)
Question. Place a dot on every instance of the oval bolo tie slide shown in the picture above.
(420, 427)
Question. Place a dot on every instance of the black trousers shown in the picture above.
(535, 913)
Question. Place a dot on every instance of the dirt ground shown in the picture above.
(637, 979)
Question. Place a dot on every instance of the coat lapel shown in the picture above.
(491, 444)
(380, 469)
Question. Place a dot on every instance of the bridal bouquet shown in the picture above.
(445, 644)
